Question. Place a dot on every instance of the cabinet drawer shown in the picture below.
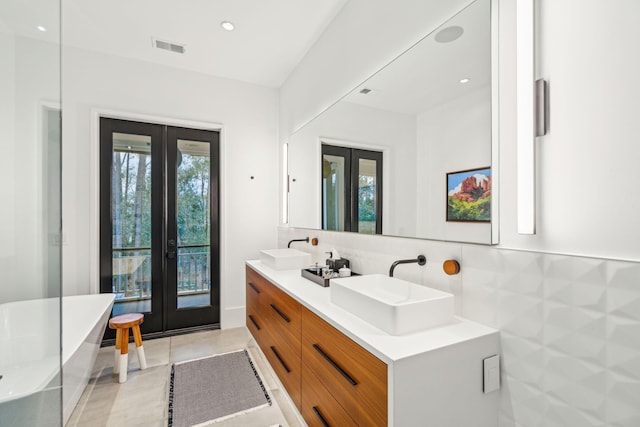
(285, 315)
(257, 325)
(257, 287)
(273, 318)
(282, 310)
(319, 408)
(356, 378)
(286, 363)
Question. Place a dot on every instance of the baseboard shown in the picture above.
(232, 317)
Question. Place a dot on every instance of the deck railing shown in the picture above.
(132, 271)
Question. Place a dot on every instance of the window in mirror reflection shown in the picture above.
(351, 190)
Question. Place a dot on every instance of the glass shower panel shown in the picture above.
(30, 218)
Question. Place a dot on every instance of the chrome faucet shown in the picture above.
(421, 260)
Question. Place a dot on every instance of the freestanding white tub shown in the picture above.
(30, 351)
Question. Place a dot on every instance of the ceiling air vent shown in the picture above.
(171, 47)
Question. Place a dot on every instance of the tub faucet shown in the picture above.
(421, 260)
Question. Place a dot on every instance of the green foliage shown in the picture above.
(367, 203)
(460, 210)
(193, 201)
(193, 212)
(126, 224)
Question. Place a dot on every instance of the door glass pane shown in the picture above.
(131, 219)
(367, 200)
(194, 224)
(333, 190)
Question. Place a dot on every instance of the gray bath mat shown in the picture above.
(214, 388)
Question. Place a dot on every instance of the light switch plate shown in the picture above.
(491, 374)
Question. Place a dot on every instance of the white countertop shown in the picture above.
(387, 348)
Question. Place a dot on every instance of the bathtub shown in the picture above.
(30, 351)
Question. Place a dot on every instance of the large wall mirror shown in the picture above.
(431, 115)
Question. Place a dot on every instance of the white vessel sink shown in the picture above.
(285, 259)
(393, 305)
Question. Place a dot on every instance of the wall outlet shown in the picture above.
(491, 374)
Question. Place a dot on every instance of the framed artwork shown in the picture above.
(469, 195)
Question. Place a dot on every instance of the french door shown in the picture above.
(159, 223)
(351, 189)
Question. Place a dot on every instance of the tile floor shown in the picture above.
(143, 399)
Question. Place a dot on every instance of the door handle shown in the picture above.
(171, 252)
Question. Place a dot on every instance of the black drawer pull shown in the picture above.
(254, 322)
(284, 365)
(320, 417)
(335, 365)
(284, 316)
(254, 287)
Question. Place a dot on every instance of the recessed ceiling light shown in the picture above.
(41, 28)
(449, 34)
(227, 25)
(465, 80)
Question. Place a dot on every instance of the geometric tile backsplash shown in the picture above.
(569, 325)
(570, 334)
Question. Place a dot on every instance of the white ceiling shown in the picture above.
(429, 74)
(270, 38)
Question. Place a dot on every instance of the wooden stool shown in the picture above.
(122, 324)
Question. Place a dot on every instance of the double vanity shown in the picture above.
(355, 353)
(371, 350)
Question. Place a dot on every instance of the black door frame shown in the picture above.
(345, 153)
(352, 158)
(175, 318)
(163, 319)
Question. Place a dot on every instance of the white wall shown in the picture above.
(587, 163)
(248, 115)
(7, 160)
(451, 137)
(29, 76)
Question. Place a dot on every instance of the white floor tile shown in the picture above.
(143, 399)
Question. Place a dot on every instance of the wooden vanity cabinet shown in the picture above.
(273, 318)
(319, 407)
(331, 379)
(357, 379)
(255, 318)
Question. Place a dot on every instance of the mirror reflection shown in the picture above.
(425, 115)
(351, 194)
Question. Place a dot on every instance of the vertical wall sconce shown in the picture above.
(285, 183)
(531, 114)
